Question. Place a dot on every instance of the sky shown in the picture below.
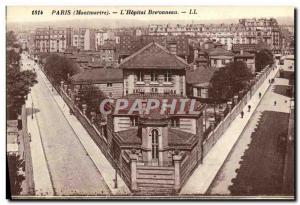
(19, 14)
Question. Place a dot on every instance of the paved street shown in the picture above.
(227, 172)
(71, 170)
(205, 173)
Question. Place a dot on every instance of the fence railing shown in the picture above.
(214, 135)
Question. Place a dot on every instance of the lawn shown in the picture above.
(284, 90)
(261, 171)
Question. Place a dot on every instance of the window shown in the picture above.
(167, 76)
(154, 134)
(133, 121)
(175, 122)
(215, 61)
(140, 77)
(153, 77)
(109, 84)
(199, 92)
(154, 90)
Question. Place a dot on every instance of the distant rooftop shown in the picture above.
(100, 75)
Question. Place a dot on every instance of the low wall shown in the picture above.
(188, 164)
(215, 134)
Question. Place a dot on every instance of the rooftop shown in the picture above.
(200, 75)
(219, 51)
(101, 75)
(153, 56)
(176, 138)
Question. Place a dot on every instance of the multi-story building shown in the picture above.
(23, 38)
(246, 31)
(108, 51)
(151, 145)
(219, 57)
(161, 77)
(129, 44)
(84, 39)
(287, 39)
(58, 39)
(52, 39)
(100, 37)
(109, 81)
(265, 30)
(42, 40)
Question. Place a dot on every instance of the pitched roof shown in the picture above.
(176, 138)
(101, 75)
(218, 51)
(200, 75)
(153, 56)
(128, 137)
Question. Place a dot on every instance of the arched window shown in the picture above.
(154, 134)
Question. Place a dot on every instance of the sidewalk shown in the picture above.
(227, 173)
(100, 161)
(41, 175)
(205, 173)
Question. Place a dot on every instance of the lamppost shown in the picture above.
(116, 178)
(32, 110)
(31, 107)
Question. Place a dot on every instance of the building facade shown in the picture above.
(160, 77)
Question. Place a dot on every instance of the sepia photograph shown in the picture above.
(150, 102)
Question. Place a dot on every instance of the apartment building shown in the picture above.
(84, 39)
(53, 40)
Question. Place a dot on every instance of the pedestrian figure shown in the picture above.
(242, 114)
(29, 135)
(259, 95)
(249, 108)
(275, 103)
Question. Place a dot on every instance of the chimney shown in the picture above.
(242, 52)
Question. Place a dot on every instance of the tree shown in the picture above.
(12, 57)
(262, 59)
(92, 97)
(228, 81)
(18, 87)
(15, 165)
(18, 84)
(11, 39)
(220, 89)
(60, 68)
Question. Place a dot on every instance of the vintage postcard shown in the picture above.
(150, 102)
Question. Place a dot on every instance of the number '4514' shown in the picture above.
(37, 12)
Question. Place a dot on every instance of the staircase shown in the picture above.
(155, 180)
